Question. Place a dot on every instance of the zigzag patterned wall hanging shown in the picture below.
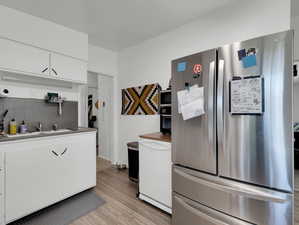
(142, 100)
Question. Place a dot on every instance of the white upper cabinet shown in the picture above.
(16, 57)
(68, 69)
(37, 47)
(31, 30)
(24, 59)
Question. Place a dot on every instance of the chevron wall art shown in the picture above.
(142, 100)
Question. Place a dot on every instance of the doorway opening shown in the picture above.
(100, 112)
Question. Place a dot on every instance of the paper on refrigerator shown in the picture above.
(191, 102)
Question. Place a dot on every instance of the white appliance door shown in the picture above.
(155, 170)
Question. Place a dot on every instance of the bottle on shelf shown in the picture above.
(13, 127)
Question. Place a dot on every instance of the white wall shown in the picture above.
(101, 60)
(149, 62)
(92, 82)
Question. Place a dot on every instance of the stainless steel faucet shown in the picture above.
(55, 126)
(39, 127)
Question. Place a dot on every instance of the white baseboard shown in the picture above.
(103, 157)
(155, 203)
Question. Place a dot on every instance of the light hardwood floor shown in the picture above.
(121, 207)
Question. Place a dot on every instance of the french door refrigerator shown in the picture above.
(234, 164)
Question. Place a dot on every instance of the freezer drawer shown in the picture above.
(246, 202)
(193, 140)
(186, 211)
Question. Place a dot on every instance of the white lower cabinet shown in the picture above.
(40, 173)
(1, 188)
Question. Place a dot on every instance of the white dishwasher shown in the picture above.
(155, 173)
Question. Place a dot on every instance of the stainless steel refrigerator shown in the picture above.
(234, 164)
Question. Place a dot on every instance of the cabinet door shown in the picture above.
(69, 69)
(21, 58)
(1, 188)
(32, 179)
(78, 162)
(40, 173)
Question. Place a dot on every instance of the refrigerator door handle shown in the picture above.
(211, 104)
(249, 192)
(220, 102)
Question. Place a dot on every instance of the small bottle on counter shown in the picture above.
(23, 127)
(2, 127)
(13, 127)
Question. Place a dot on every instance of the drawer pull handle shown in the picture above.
(65, 150)
(54, 71)
(55, 153)
(45, 69)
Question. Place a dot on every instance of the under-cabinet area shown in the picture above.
(38, 172)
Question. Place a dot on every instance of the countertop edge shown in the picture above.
(158, 136)
(24, 138)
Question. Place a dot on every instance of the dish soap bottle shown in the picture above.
(23, 128)
(13, 127)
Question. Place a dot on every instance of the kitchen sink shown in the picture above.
(22, 135)
(55, 131)
(37, 133)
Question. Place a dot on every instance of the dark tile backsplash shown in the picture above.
(33, 111)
